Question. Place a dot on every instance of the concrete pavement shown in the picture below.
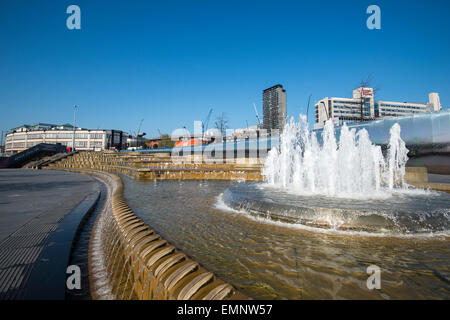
(37, 206)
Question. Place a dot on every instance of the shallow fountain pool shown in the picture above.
(268, 259)
(396, 212)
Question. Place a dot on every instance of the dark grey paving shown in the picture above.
(40, 212)
(48, 277)
(27, 194)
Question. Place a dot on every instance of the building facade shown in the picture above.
(26, 136)
(363, 107)
(274, 108)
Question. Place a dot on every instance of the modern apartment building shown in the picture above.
(363, 107)
(274, 108)
(27, 136)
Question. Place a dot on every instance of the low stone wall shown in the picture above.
(195, 174)
(138, 263)
(416, 175)
(442, 187)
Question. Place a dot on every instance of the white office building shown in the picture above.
(363, 107)
(27, 136)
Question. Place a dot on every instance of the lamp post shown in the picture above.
(74, 125)
(1, 144)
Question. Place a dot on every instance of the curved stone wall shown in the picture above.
(138, 263)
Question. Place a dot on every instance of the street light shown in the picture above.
(74, 125)
(2, 145)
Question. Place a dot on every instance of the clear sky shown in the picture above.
(170, 61)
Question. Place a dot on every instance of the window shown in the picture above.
(50, 135)
(64, 135)
(80, 144)
(81, 136)
(35, 136)
(96, 144)
(19, 137)
(96, 135)
(19, 145)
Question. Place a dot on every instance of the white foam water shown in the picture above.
(99, 274)
(352, 167)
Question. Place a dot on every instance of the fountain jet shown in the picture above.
(349, 167)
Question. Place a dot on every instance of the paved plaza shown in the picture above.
(40, 211)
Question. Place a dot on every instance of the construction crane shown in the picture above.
(206, 122)
(138, 134)
(257, 115)
(139, 128)
(205, 125)
(307, 109)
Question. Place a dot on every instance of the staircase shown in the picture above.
(34, 153)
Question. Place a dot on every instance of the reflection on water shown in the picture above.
(272, 261)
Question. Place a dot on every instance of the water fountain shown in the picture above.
(326, 187)
(343, 183)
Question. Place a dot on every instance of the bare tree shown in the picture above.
(366, 83)
(222, 123)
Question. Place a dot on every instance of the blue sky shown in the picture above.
(170, 61)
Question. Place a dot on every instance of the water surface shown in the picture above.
(273, 260)
(401, 211)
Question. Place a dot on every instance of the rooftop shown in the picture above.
(42, 126)
(273, 87)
